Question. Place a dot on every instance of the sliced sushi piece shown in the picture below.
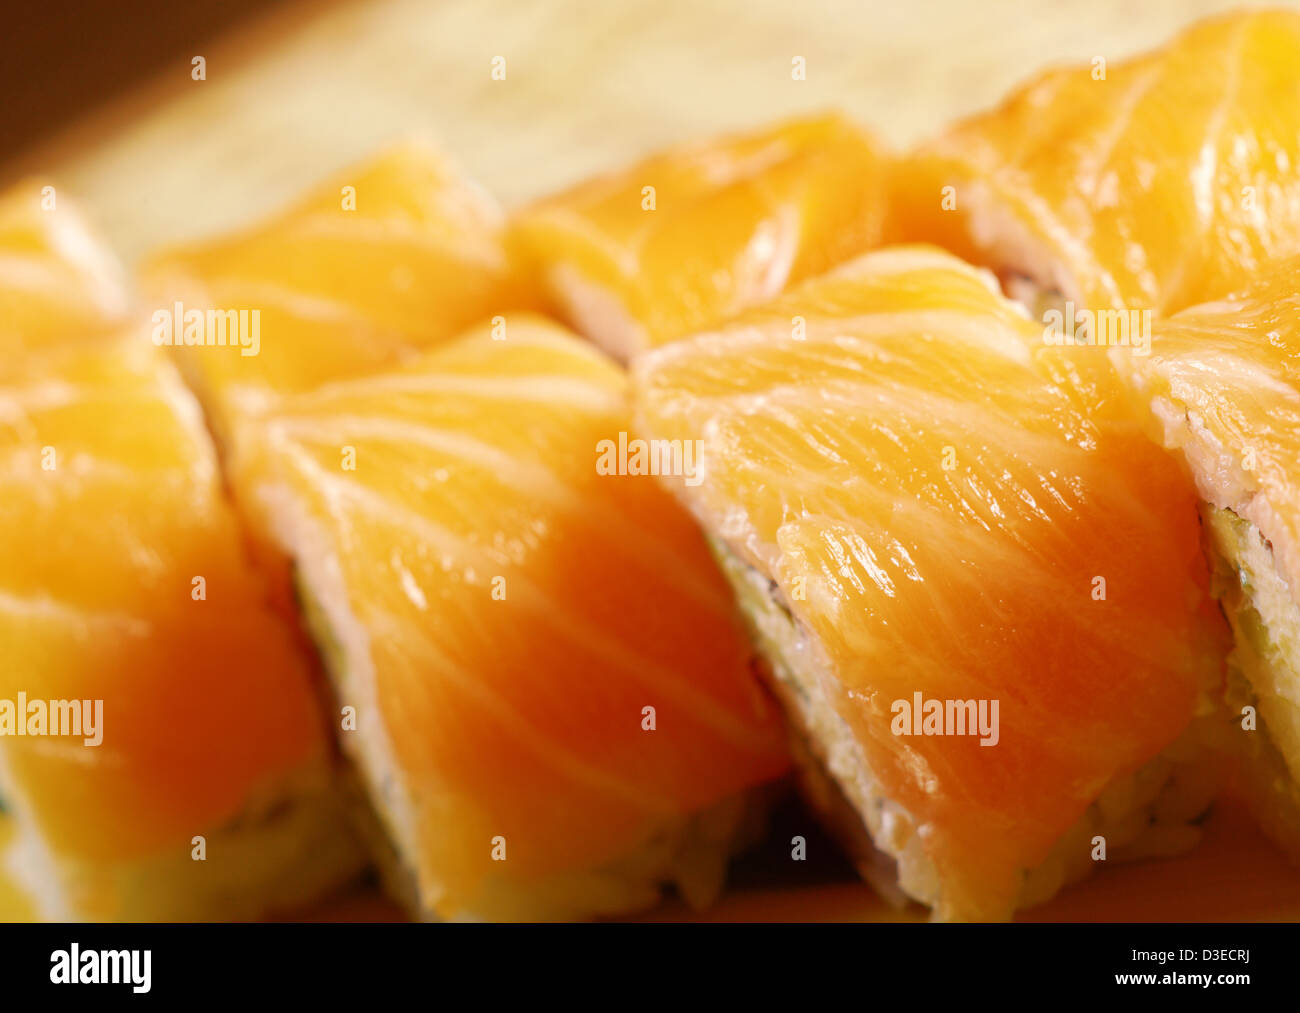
(669, 245)
(1224, 379)
(163, 754)
(976, 578)
(56, 280)
(553, 703)
(1149, 184)
(384, 258)
(195, 782)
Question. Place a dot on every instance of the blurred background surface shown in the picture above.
(100, 98)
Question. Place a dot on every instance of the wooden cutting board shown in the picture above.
(588, 86)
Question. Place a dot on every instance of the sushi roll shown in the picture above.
(975, 576)
(1224, 380)
(386, 258)
(675, 242)
(163, 753)
(547, 691)
(1150, 184)
(532, 732)
(383, 259)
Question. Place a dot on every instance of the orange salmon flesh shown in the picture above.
(946, 506)
(507, 614)
(1153, 183)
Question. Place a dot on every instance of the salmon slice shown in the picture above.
(56, 281)
(554, 706)
(921, 505)
(188, 724)
(385, 258)
(1166, 183)
(1224, 379)
(669, 245)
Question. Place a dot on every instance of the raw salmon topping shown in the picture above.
(951, 507)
